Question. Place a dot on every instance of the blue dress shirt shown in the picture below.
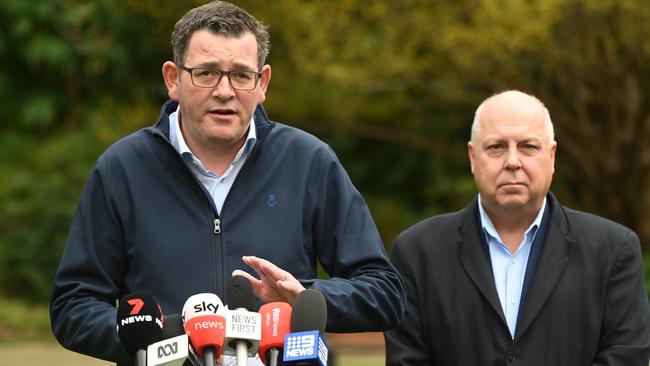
(509, 269)
(217, 186)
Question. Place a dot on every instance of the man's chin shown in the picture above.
(513, 202)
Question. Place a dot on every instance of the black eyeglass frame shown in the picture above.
(258, 75)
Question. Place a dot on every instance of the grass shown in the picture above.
(43, 352)
(20, 320)
(49, 352)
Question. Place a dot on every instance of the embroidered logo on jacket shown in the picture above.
(272, 200)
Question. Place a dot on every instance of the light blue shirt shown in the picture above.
(509, 269)
(217, 186)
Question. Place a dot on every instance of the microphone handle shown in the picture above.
(141, 357)
(208, 356)
(241, 349)
(273, 357)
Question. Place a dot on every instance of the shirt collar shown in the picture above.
(250, 142)
(489, 228)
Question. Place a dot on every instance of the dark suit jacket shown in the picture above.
(586, 303)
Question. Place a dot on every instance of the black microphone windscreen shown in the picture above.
(172, 326)
(240, 293)
(139, 322)
(309, 311)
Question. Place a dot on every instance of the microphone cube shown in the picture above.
(168, 352)
(242, 325)
(305, 348)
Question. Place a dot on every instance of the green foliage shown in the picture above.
(22, 321)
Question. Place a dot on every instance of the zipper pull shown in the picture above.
(217, 226)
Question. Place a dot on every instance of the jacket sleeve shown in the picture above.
(405, 344)
(82, 308)
(625, 335)
(364, 291)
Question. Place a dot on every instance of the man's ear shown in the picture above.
(470, 153)
(170, 75)
(263, 85)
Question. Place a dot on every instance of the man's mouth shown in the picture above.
(223, 111)
(511, 184)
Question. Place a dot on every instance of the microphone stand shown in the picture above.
(273, 357)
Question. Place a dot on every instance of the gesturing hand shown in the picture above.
(275, 284)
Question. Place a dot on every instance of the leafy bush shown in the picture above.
(20, 320)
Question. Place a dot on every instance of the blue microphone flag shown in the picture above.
(305, 348)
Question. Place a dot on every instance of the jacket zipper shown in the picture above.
(220, 260)
(217, 226)
(216, 222)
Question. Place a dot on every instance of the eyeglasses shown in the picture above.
(204, 77)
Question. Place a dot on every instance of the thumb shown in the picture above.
(239, 272)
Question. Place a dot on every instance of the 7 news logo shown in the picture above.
(135, 316)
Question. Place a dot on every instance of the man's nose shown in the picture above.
(513, 160)
(223, 89)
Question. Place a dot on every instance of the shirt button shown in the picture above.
(514, 261)
(512, 301)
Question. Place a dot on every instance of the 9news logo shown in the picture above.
(300, 345)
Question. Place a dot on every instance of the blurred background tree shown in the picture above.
(391, 85)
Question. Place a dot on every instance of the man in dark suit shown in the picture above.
(516, 278)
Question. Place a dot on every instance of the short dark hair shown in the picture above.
(219, 17)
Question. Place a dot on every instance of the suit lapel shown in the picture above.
(474, 259)
(554, 257)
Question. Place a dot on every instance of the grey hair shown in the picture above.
(223, 18)
(547, 117)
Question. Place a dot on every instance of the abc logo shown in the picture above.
(167, 349)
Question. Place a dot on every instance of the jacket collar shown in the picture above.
(553, 258)
(473, 256)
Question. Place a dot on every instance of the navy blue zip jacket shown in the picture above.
(144, 224)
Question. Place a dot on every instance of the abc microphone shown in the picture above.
(306, 344)
(174, 349)
(243, 327)
(276, 318)
(139, 323)
(204, 322)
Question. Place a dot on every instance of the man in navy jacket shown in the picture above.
(516, 278)
(215, 187)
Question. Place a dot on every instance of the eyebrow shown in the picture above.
(499, 140)
(530, 139)
(237, 66)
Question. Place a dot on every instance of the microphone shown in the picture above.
(139, 323)
(174, 349)
(204, 322)
(306, 344)
(276, 317)
(243, 327)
